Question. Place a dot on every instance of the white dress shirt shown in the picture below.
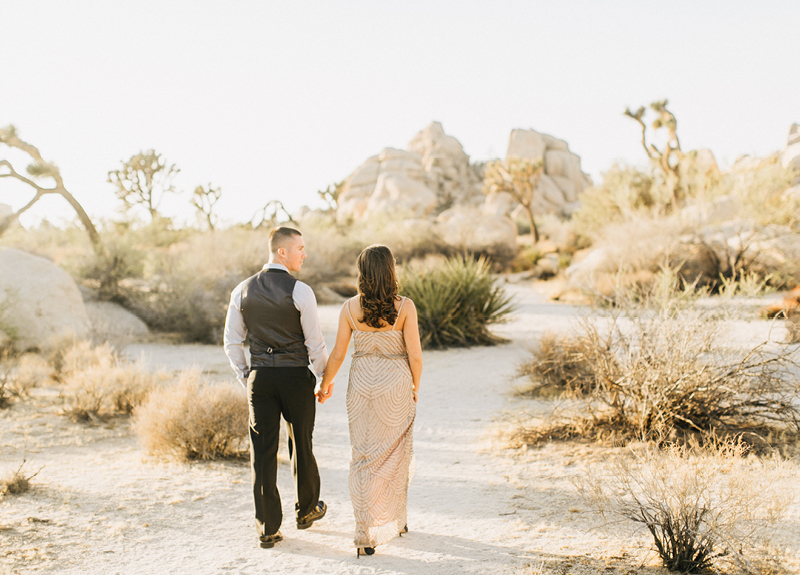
(236, 331)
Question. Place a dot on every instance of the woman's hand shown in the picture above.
(325, 391)
(416, 395)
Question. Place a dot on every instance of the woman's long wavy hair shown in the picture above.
(377, 286)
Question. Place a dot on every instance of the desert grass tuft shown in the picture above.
(193, 419)
(97, 384)
(560, 365)
(457, 300)
(19, 374)
(17, 481)
(707, 508)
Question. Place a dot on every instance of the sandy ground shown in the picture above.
(100, 505)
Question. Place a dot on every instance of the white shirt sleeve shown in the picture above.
(306, 304)
(234, 335)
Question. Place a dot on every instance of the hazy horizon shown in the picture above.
(274, 101)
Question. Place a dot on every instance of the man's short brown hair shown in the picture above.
(279, 236)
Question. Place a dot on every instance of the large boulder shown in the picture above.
(432, 174)
(392, 179)
(398, 195)
(40, 302)
(444, 159)
(466, 228)
(113, 323)
(563, 180)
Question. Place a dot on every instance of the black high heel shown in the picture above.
(403, 530)
(366, 550)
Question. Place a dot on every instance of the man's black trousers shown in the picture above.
(272, 392)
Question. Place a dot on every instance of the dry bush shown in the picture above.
(626, 193)
(186, 286)
(526, 259)
(194, 420)
(662, 374)
(759, 189)
(332, 253)
(793, 328)
(560, 364)
(31, 371)
(706, 509)
(20, 374)
(17, 481)
(98, 384)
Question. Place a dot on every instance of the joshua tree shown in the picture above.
(144, 180)
(668, 159)
(518, 177)
(204, 199)
(267, 216)
(39, 168)
(331, 196)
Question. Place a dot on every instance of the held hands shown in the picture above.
(325, 391)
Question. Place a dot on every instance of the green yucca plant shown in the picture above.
(456, 302)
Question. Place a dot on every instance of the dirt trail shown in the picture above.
(100, 506)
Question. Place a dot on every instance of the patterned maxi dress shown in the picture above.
(381, 411)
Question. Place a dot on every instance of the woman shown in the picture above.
(381, 397)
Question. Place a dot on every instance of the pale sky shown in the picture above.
(275, 100)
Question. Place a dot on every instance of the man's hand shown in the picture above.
(324, 392)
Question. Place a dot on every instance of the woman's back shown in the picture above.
(381, 410)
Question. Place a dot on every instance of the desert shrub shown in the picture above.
(66, 247)
(186, 286)
(30, 370)
(660, 374)
(194, 420)
(17, 481)
(747, 284)
(332, 253)
(626, 192)
(98, 384)
(122, 260)
(759, 190)
(560, 364)
(526, 259)
(706, 509)
(20, 373)
(457, 300)
(6, 391)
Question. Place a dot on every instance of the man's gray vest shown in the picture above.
(273, 323)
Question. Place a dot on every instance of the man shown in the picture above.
(280, 315)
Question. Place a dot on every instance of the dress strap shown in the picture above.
(347, 303)
(398, 312)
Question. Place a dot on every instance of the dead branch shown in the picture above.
(40, 168)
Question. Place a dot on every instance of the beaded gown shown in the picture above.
(381, 412)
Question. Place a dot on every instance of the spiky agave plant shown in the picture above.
(456, 302)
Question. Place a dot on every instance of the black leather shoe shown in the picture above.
(315, 515)
(365, 551)
(269, 541)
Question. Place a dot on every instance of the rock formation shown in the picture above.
(433, 180)
(113, 323)
(432, 174)
(40, 302)
(563, 180)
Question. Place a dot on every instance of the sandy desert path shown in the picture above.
(101, 506)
